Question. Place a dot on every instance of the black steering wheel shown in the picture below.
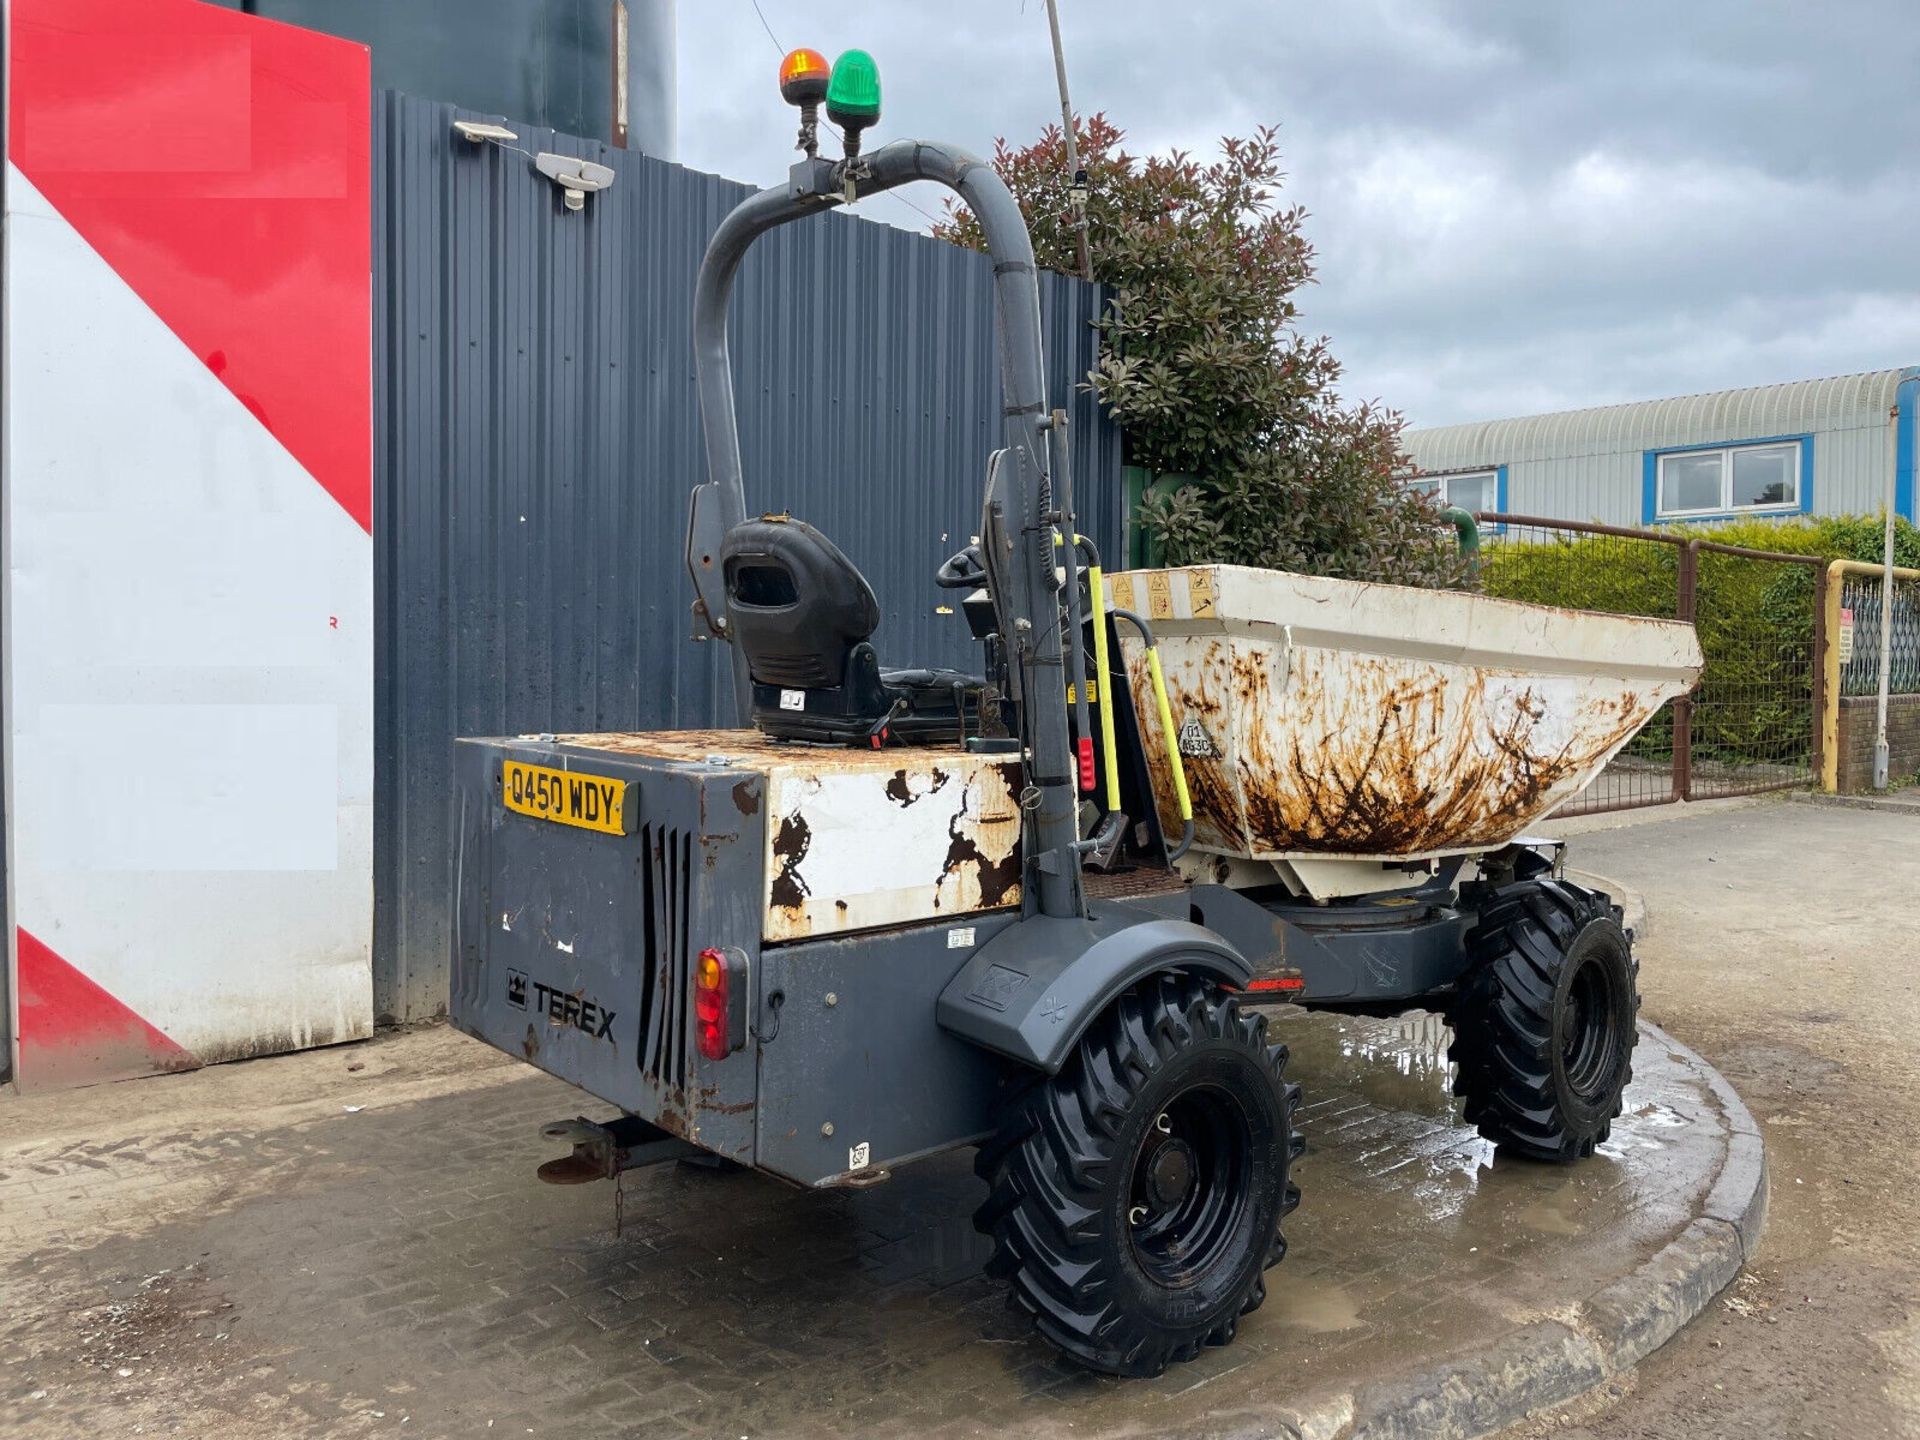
(966, 570)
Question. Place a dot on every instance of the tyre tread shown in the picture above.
(1046, 1164)
(1502, 1016)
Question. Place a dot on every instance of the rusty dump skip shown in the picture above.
(1324, 718)
(860, 839)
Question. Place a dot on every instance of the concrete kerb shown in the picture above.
(1893, 802)
(1553, 1361)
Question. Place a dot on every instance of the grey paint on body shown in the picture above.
(537, 438)
(575, 948)
(857, 1072)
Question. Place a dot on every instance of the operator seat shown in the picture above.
(804, 615)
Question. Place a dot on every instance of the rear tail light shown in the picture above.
(1085, 746)
(720, 1003)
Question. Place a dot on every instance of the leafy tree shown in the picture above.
(1203, 368)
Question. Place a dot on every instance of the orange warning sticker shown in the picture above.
(1200, 592)
(1159, 595)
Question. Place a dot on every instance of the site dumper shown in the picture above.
(1035, 909)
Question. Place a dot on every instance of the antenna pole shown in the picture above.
(1077, 179)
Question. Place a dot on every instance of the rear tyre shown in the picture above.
(1136, 1197)
(1544, 1020)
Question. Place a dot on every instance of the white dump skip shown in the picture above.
(1323, 718)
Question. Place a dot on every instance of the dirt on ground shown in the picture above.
(1785, 947)
(348, 1243)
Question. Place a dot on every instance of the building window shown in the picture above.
(1734, 479)
(1474, 491)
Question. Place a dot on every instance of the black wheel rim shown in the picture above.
(1189, 1187)
(1586, 1031)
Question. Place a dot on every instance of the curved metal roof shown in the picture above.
(1841, 402)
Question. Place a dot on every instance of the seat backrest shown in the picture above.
(798, 606)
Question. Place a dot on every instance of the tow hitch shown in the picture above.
(601, 1152)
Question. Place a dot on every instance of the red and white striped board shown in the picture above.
(189, 606)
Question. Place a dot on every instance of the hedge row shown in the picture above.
(1755, 618)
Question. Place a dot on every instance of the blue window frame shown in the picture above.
(1472, 490)
(1769, 476)
(1908, 399)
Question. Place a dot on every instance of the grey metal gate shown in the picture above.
(536, 437)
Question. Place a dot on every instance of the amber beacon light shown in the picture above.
(804, 77)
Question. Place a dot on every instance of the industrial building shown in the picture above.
(1806, 447)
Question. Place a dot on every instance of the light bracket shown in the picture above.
(575, 177)
(480, 131)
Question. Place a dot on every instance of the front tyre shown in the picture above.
(1544, 1020)
(1136, 1197)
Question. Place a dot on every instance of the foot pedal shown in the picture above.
(1107, 840)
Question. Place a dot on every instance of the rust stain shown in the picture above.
(790, 846)
(868, 864)
(745, 799)
(1337, 752)
(993, 878)
(676, 1116)
(743, 749)
(900, 788)
(704, 1099)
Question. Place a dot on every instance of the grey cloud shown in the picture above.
(1519, 204)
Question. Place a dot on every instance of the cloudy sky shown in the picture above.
(1520, 205)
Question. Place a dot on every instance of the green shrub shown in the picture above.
(1204, 367)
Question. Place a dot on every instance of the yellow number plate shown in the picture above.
(568, 797)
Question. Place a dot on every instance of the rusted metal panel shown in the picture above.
(1330, 718)
(863, 839)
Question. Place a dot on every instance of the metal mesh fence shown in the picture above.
(1616, 571)
(1751, 723)
(1753, 717)
(1860, 602)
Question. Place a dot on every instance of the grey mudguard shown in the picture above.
(1031, 991)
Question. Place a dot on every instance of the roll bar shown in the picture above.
(1049, 799)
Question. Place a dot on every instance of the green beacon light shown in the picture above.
(853, 95)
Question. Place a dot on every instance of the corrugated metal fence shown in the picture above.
(536, 437)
